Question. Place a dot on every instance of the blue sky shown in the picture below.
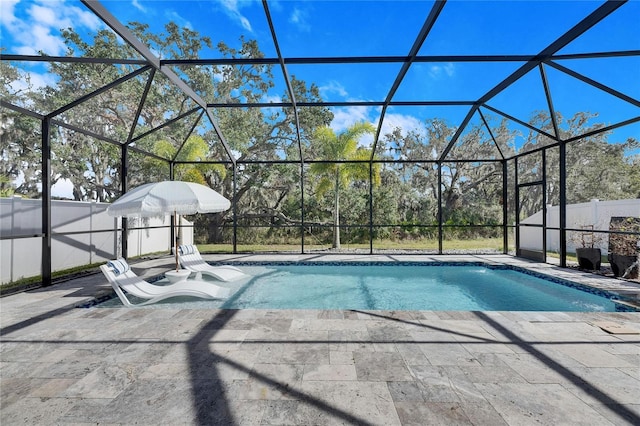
(381, 28)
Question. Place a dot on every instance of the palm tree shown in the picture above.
(333, 176)
(6, 189)
(196, 150)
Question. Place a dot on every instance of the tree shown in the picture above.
(91, 165)
(597, 167)
(252, 133)
(20, 140)
(260, 134)
(334, 176)
(194, 151)
(469, 190)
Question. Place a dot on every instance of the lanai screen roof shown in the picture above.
(392, 63)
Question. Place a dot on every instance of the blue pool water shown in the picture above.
(466, 288)
(400, 287)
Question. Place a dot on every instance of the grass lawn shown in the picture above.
(490, 244)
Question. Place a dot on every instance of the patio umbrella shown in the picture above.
(169, 197)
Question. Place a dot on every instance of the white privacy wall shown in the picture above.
(22, 257)
(596, 213)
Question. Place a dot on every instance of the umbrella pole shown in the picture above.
(175, 250)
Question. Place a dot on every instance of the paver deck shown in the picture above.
(65, 365)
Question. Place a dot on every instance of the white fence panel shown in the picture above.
(531, 237)
(22, 257)
(595, 213)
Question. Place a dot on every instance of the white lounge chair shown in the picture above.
(121, 277)
(191, 259)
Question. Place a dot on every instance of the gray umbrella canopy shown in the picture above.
(169, 198)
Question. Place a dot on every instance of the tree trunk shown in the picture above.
(215, 228)
(336, 214)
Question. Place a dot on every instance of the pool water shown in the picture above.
(400, 287)
(466, 288)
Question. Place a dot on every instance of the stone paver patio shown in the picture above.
(65, 365)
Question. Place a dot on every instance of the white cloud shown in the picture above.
(344, 117)
(46, 42)
(86, 18)
(39, 30)
(174, 16)
(43, 15)
(276, 5)
(333, 87)
(32, 81)
(58, 14)
(232, 9)
(42, 80)
(405, 122)
(138, 6)
(366, 140)
(245, 23)
(439, 71)
(8, 17)
(299, 19)
(347, 116)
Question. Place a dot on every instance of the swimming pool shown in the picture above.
(403, 286)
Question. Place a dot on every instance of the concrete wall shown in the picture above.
(92, 236)
(596, 213)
